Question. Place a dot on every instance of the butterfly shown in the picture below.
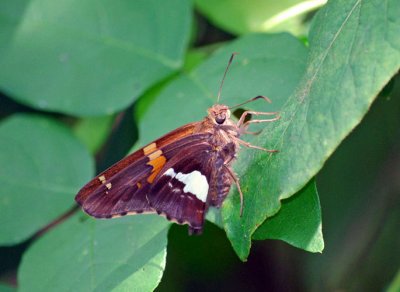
(179, 175)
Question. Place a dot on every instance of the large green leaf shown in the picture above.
(298, 222)
(240, 17)
(89, 57)
(42, 168)
(84, 254)
(354, 51)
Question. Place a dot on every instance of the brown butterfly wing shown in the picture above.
(122, 188)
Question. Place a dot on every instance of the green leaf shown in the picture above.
(395, 284)
(93, 131)
(298, 222)
(240, 17)
(42, 168)
(127, 254)
(89, 57)
(195, 57)
(354, 51)
(6, 288)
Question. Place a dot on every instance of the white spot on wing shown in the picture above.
(170, 172)
(195, 183)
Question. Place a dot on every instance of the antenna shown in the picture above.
(251, 100)
(223, 78)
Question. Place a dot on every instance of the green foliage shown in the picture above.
(89, 58)
(84, 254)
(43, 165)
(395, 285)
(274, 72)
(360, 203)
(298, 222)
(96, 58)
(340, 83)
(5, 288)
(93, 131)
(240, 17)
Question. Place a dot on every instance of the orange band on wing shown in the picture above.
(157, 162)
(150, 148)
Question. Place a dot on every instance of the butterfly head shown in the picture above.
(219, 114)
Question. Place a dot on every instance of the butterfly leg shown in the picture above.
(245, 132)
(248, 145)
(236, 180)
(243, 125)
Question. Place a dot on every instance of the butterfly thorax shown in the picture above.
(223, 141)
(222, 129)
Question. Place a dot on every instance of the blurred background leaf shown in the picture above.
(91, 57)
(395, 284)
(93, 131)
(241, 17)
(6, 288)
(78, 256)
(42, 168)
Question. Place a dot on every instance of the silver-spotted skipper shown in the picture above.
(178, 175)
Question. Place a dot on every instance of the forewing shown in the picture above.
(122, 188)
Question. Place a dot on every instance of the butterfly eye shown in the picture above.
(220, 120)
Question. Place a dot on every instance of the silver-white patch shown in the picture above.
(170, 172)
(195, 182)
